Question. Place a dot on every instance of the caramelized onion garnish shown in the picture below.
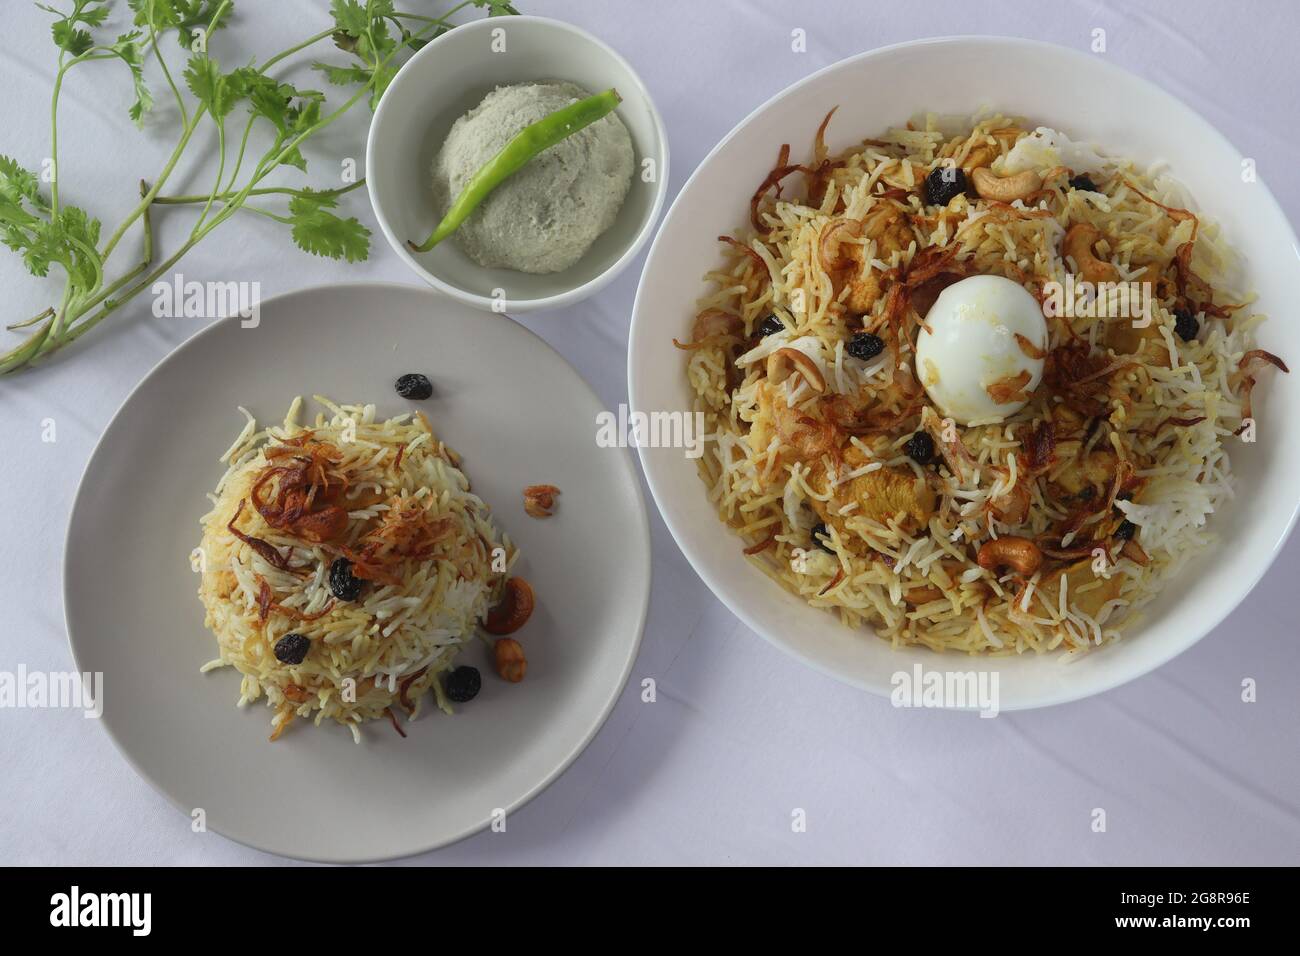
(1133, 551)
(1260, 354)
(405, 685)
(760, 267)
(405, 532)
(782, 169)
(266, 603)
(831, 238)
(392, 716)
(268, 553)
(1010, 388)
(1029, 348)
(839, 576)
(1040, 446)
(1246, 373)
(303, 503)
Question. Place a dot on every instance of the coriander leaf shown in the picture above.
(186, 17)
(66, 30)
(383, 77)
(497, 8)
(68, 37)
(18, 224)
(350, 17)
(17, 184)
(384, 44)
(211, 87)
(69, 240)
(343, 75)
(290, 110)
(128, 49)
(80, 235)
(320, 232)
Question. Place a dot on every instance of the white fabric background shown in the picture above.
(740, 734)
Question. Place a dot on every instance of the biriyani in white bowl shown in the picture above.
(345, 564)
(1042, 529)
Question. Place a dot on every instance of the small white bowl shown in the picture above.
(447, 79)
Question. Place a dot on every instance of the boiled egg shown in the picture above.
(981, 349)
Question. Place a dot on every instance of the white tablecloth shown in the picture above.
(740, 736)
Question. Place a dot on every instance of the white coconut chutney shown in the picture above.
(548, 214)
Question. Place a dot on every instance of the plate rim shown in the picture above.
(642, 524)
(657, 492)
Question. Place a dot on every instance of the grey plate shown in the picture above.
(518, 414)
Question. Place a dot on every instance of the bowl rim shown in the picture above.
(239, 835)
(576, 293)
(663, 500)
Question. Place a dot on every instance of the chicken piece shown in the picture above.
(863, 293)
(1147, 343)
(226, 583)
(881, 495)
(803, 438)
(1079, 590)
(888, 226)
(1095, 471)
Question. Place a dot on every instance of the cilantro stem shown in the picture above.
(239, 158)
(146, 259)
(28, 323)
(263, 191)
(324, 34)
(158, 183)
(166, 71)
(221, 172)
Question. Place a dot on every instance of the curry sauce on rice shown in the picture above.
(345, 564)
(1042, 526)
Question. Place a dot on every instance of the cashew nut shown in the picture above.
(1078, 244)
(1005, 188)
(1019, 554)
(799, 362)
(922, 595)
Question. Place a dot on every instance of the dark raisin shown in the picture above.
(822, 537)
(414, 386)
(292, 648)
(944, 184)
(770, 326)
(1125, 530)
(1083, 181)
(865, 346)
(343, 584)
(920, 448)
(1185, 324)
(463, 684)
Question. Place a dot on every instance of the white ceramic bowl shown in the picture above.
(1089, 99)
(451, 76)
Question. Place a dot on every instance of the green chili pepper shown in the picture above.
(516, 154)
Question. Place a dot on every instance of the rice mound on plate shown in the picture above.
(1110, 471)
(429, 560)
